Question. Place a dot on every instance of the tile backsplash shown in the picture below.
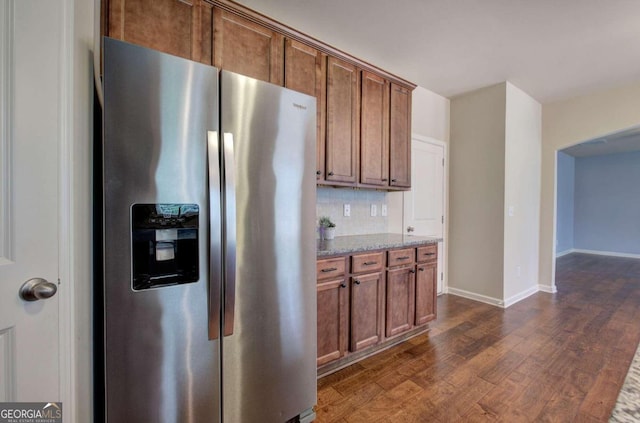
(330, 202)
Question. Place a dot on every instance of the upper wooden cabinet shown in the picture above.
(374, 132)
(179, 27)
(341, 150)
(364, 113)
(305, 71)
(400, 137)
(247, 48)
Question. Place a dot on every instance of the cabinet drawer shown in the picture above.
(404, 256)
(367, 262)
(330, 268)
(427, 253)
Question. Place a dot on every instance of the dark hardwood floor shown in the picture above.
(549, 358)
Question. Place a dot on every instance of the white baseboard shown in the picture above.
(520, 296)
(496, 301)
(605, 253)
(565, 252)
(551, 289)
(476, 297)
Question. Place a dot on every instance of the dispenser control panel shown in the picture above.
(164, 240)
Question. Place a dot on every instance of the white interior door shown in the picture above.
(30, 132)
(424, 204)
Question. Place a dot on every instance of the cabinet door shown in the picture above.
(400, 297)
(333, 309)
(400, 137)
(426, 279)
(306, 71)
(247, 48)
(374, 130)
(367, 305)
(178, 27)
(341, 152)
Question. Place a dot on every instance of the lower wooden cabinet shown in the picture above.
(425, 301)
(371, 300)
(367, 308)
(400, 300)
(333, 310)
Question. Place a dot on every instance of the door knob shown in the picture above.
(410, 229)
(37, 289)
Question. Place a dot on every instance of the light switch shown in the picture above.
(374, 210)
(347, 210)
(383, 210)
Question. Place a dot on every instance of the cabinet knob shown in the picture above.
(393, 180)
(357, 282)
(318, 172)
(384, 179)
(343, 285)
(412, 271)
(330, 173)
(421, 269)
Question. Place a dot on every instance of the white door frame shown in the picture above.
(445, 206)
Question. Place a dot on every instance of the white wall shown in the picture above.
(523, 133)
(569, 122)
(429, 118)
(476, 192)
(83, 33)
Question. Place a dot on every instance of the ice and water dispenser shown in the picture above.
(164, 244)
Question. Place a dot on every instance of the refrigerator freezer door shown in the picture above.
(269, 359)
(160, 365)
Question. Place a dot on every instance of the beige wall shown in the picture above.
(522, 193)
(476, 192)
(569, 122)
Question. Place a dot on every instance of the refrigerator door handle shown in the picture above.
(230, 233)
(215, 235)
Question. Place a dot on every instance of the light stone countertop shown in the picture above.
(359, 243)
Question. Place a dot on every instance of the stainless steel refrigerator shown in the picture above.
(209, 243)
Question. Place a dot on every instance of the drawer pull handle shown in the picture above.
(369, 263)
(403, 258)
(357, 282)
(429, 254)
(343, 285)
(330, 269)
(330, 174)
(318, 172)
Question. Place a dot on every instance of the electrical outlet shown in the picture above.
(374, 210)
(383, 210)
(347, 210)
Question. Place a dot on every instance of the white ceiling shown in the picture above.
(551, 49)
(620, 142)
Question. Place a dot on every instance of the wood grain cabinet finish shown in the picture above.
(333, 309)
(367, 308)
(333, 319)
(400, 300)
(400, 137)
(367, 300)
(425, 301)
(247, 48)
(426, 284)
(306, 71)
(341, 149)
(179, 27)
(374, 130)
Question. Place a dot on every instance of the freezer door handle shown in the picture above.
(215, 234)
(230, 233)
